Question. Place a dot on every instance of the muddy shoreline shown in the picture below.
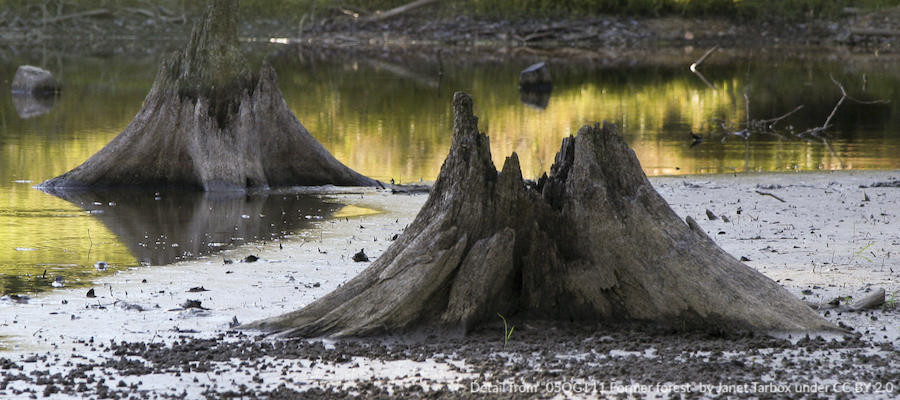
(125, 31)
(136, 339)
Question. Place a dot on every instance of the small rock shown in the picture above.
(33, 80)
(128, 306)
(34, 91)
(361, 256)
(251, 258)
(90, 294)
(15, 298)
(193, 304)
(535, 77)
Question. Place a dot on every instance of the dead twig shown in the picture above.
(770, 123)
(844, 96)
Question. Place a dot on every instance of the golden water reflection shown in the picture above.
(391, 119)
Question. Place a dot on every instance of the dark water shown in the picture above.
(389, 118)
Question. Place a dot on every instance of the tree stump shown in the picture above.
(210, 123)
(591, 242)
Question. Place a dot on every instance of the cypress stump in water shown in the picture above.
(593, 241)
(210, 123)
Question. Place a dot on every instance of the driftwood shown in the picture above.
(399, 10)
(870, 302)
(91, 13)
(211, 123)
(593, 241)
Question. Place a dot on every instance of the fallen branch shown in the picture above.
(764, 123)
(700, 61)
(101, 11)
(869, 302)
(703, 58)
(770, 194)
(874, 32)
(155, 15)
(399, 10)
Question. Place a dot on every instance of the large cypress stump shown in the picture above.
(209, 122)
(593, 241)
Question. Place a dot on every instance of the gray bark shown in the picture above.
(210, 123)
(593, 241)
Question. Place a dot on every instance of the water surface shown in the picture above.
(390, 118)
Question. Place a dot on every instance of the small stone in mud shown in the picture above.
(197, 289)
(90, 293)
(15, 298)
(251, 258)
(193, 304)
(361, 256)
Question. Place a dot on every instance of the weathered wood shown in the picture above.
(592, 241)
(210, 123)
(399, 10)
(535, 86)
(536, 78)
(869, 302)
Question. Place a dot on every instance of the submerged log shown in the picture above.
(210, 123)
(591, 242)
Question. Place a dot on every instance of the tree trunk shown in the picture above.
(593, 241)
(212, 124)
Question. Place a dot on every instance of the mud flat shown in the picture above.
(828, 237)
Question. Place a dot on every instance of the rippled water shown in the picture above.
(390, 117)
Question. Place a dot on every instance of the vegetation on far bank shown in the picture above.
(789, 10)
